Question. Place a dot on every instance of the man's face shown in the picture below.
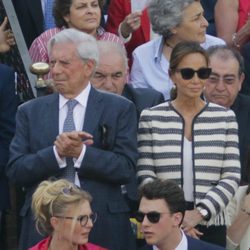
(162, 232)
(110, 74)
(224, 83)
(69, 72)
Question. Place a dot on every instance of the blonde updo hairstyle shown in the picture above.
(53, 198)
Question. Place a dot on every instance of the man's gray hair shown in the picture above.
(166, 15)
(111, 47)
(86, 45)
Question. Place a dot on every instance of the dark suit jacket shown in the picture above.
(142, 97)
(193, 244)
(117, 11)
(30, 17)
(241, 108)
(8, 106)
(103, 169)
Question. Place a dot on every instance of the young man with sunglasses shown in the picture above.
(161, 212)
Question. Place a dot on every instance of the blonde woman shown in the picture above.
(62, 212)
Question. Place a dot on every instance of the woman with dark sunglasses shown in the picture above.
(63, 214)
(174, 22)
(193, 143)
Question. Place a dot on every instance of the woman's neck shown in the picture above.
(57, 243)
(188, 105)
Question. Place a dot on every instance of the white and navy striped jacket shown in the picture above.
(215, 153)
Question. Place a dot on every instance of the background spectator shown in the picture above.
(174, 21)
(223, 87)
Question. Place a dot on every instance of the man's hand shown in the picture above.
(69, 144)
(6, 37)
(131, 23)
(191, 219)
(194, 233)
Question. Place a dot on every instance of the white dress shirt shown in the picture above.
(79, 116)
(183, 245)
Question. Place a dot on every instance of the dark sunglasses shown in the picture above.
(83, 219)
(153, 217)
(188, 73)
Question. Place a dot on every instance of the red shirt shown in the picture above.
(44, 245)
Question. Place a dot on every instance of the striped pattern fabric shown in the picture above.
(215, 153)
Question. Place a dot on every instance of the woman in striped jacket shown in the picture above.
(193, 143)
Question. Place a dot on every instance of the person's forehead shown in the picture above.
(152, 205)
(218, 64)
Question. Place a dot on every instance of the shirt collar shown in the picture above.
(159, 43)
(82, 98)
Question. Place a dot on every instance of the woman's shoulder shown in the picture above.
(107, 36)
(220, 110)
(212, 41)
(149, 47)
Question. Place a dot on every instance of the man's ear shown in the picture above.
(177, 218)
(242, 78)
(89, 67)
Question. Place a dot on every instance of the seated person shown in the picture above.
(62, 212)
(161, 212)
(175, 21)
(111, 75)
(223, 87)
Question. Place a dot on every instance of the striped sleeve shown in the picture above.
(217, 198)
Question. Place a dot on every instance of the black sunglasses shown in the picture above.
(188, 73)
(83, 219)
(153, 217)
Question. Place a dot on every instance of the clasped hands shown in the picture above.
(70, 144)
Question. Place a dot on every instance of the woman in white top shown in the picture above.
(174, 21)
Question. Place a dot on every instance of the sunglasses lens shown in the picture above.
(139, 216)
(154, 217)
(187, 73)
(204, 73)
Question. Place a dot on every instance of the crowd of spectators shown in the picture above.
(146, 131)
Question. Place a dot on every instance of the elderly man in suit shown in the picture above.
(81, 134)
(161, 212)
(222, 87)
(111, 75)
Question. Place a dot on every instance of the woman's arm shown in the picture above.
(226, 19)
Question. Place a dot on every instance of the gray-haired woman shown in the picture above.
(174, 21)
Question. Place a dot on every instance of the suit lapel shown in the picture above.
(94, 110)
(51, 121)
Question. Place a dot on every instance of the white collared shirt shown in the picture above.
(183, 245)
(79, 116)
(150, 66)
